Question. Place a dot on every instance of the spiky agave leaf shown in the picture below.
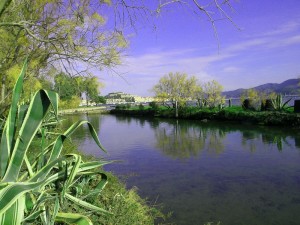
(73, 218)
(7, 142)
(38, 183)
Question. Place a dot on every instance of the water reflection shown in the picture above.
(179, 139)
(185, 139)
(233, 173)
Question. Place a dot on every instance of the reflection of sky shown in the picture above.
(249, 182)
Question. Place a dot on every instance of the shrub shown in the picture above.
(248, 104)
(153, 105)
(278, 103)
(297, 106)
(141, 107)
(120, 106)
(127, 106)
(267, 105)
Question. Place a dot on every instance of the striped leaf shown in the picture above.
(33, 119)
(91, 129)
(15, 213)
(7, 142)
(72, 218)
(87, 205)
(11, 193)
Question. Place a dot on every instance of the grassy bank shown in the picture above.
(234, 113)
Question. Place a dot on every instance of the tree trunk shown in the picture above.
(176, 109)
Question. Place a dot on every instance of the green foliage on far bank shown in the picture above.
(234, 113)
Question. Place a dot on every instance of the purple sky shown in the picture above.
(265, 50)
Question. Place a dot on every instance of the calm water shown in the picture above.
(204, 172)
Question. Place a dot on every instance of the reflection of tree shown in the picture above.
(267, 136)
(249, 139)
(278, 140)
(297, 142)
(124, 119)
(154, 123)
(215, 141)
(183, 140)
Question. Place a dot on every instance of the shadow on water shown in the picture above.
(206, 172)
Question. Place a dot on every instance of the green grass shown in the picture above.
(126, 205)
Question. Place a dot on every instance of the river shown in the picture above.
(238, 174)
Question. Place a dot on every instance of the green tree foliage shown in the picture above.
(176, 88)
(71, 89)
(199, 95)
(67, 86)
(100, 99)
(213, 94)
(3, 5)
(91, 87)
(59, 34)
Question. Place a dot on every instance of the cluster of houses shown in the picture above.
(122, 98)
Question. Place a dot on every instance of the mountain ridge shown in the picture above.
(288, 87)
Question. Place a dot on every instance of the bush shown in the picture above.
(248, 104)
(267, 105)
(127, 106)
(141, 107)
(154, 105)
(120, 106)
(297, 106)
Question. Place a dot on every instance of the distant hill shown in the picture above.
(290, 87)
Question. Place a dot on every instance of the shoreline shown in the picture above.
(265, 118)
(84, 110)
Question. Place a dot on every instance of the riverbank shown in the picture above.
(84, 110)
(237, 114)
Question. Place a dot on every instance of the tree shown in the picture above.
(67, 86)
(100, 99)
(68, 35)
(70, 88)
(176, 88)
(198, 94)
(213, 94)
(91, 87)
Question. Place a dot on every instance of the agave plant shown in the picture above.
(278, 103)
(36, 187)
